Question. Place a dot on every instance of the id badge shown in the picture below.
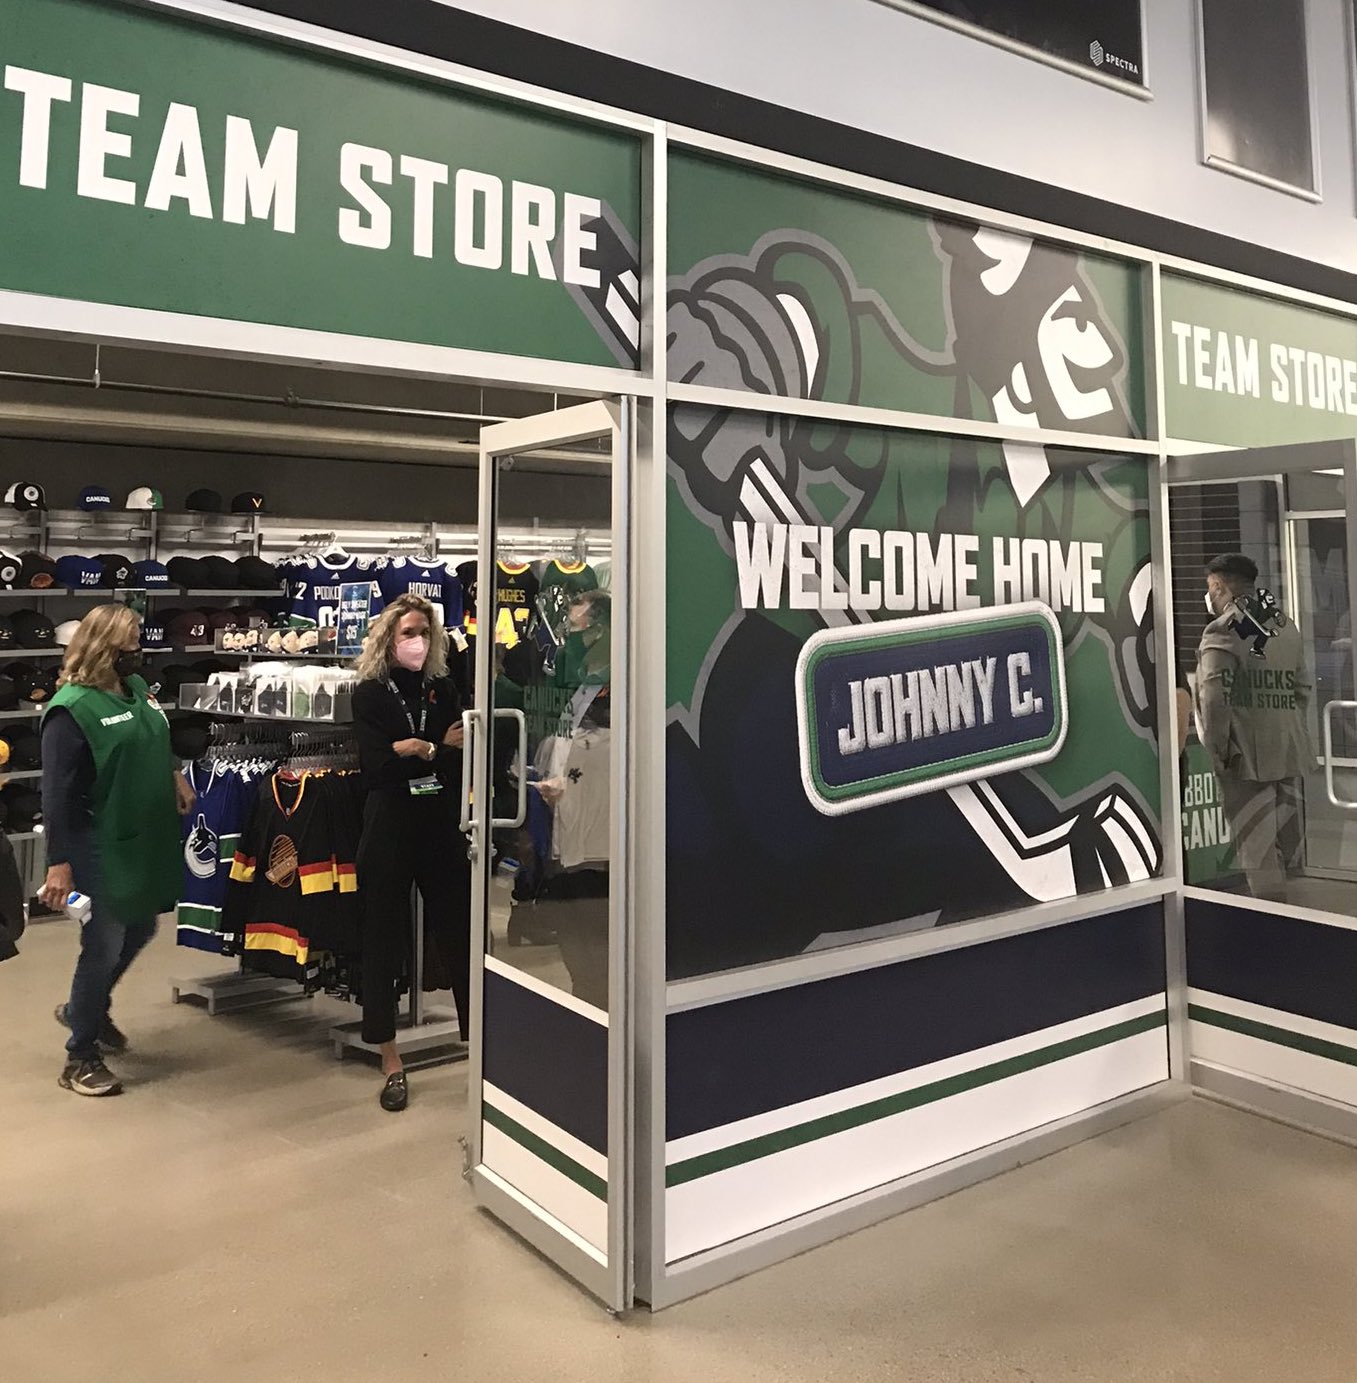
(425, 787)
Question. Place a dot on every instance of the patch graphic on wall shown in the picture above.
(789, 534)
(903, 707)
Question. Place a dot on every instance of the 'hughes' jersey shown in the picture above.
(431, 580)
(515, 597)
(313, 584)
(211, 834)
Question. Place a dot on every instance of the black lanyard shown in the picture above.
(423, 709)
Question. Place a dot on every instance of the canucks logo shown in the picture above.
(202, 850)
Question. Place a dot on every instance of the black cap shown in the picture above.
(7, 639)
(248, 502)
(186, 627)
(37, 571)
(204, 502)
(115, 570)
(220, 572)
(166, 681)
(11, 570)
(24, 749)
(255, 574)
(26, 494)
(32, 629)
(187, 572)
(23, 806)
(32, 682)
(224, 619)
(189, 736)
(9, 693)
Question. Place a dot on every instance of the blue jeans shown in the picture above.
(108, 945)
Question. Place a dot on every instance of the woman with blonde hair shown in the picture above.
(111, 798)
(408, 720)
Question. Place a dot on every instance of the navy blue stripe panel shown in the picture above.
(548, 1057)
(1280, 962)
(435, 28)
(730, 1061)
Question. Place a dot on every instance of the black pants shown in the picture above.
(411, 840)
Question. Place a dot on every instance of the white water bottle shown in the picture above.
(79, 906)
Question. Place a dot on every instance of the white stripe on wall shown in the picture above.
(587, 1157)
(544, 1186)
(726, 1205)
(694, 1145)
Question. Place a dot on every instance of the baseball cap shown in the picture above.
(10, 570)
(9, 694)
(220, 572)
(204, 502)
(144, 497)
(149, 574)
(95, 497)
(186, 627)
(65, 631)
(187, 572)
(23, 806)
(224, 619)
(189, 736)
(79, 573)
(26, 494)
(115, 570)
(152, 631)
(7, 638)
(37, 571)
(248, 502)
(32, 682)
(32, 629)
(166, 682)
(24, 751)
(255, 574)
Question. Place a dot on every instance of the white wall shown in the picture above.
(874, 68)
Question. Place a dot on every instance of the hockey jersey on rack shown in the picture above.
(313, 587)
(211, 834)
(293, 878)
(431, 580)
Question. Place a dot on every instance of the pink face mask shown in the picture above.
(412, 654)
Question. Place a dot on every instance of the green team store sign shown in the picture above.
(1241, 369)
(153, 162)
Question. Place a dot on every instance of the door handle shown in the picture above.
(513, 713)
(1330, 707)
(469, 719)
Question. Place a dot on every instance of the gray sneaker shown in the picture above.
(111, 1039)
(90, 1077)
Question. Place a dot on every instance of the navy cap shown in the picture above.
(150, 574)
(79, 573)
(95, 497)
(153, 631)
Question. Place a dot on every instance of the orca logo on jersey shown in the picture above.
(202, 850)
(909, 706)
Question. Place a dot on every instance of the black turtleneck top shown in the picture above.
(382, 716)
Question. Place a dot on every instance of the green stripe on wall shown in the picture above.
(769, 1143)
(1267, 1032)
(540, 1148)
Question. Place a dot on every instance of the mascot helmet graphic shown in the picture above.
(1026, 342)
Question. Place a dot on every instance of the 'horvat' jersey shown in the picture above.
(211, 834)
(313, 585)
(430, 580)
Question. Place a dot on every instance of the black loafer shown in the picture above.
(395, 1093)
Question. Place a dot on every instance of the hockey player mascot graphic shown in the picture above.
(1024, 342)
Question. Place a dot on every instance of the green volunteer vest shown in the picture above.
(136, 823)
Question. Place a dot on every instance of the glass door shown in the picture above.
(1265, 824)
(544, 810)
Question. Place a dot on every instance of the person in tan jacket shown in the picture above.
(1251, 699)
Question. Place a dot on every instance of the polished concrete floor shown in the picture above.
(246, 1211)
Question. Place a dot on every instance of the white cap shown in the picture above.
(143, 497)
(66, 631)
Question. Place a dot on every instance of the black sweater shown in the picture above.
(381, 716)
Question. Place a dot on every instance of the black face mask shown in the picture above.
(126, 663)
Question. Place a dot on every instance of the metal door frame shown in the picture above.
(610, 1280)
